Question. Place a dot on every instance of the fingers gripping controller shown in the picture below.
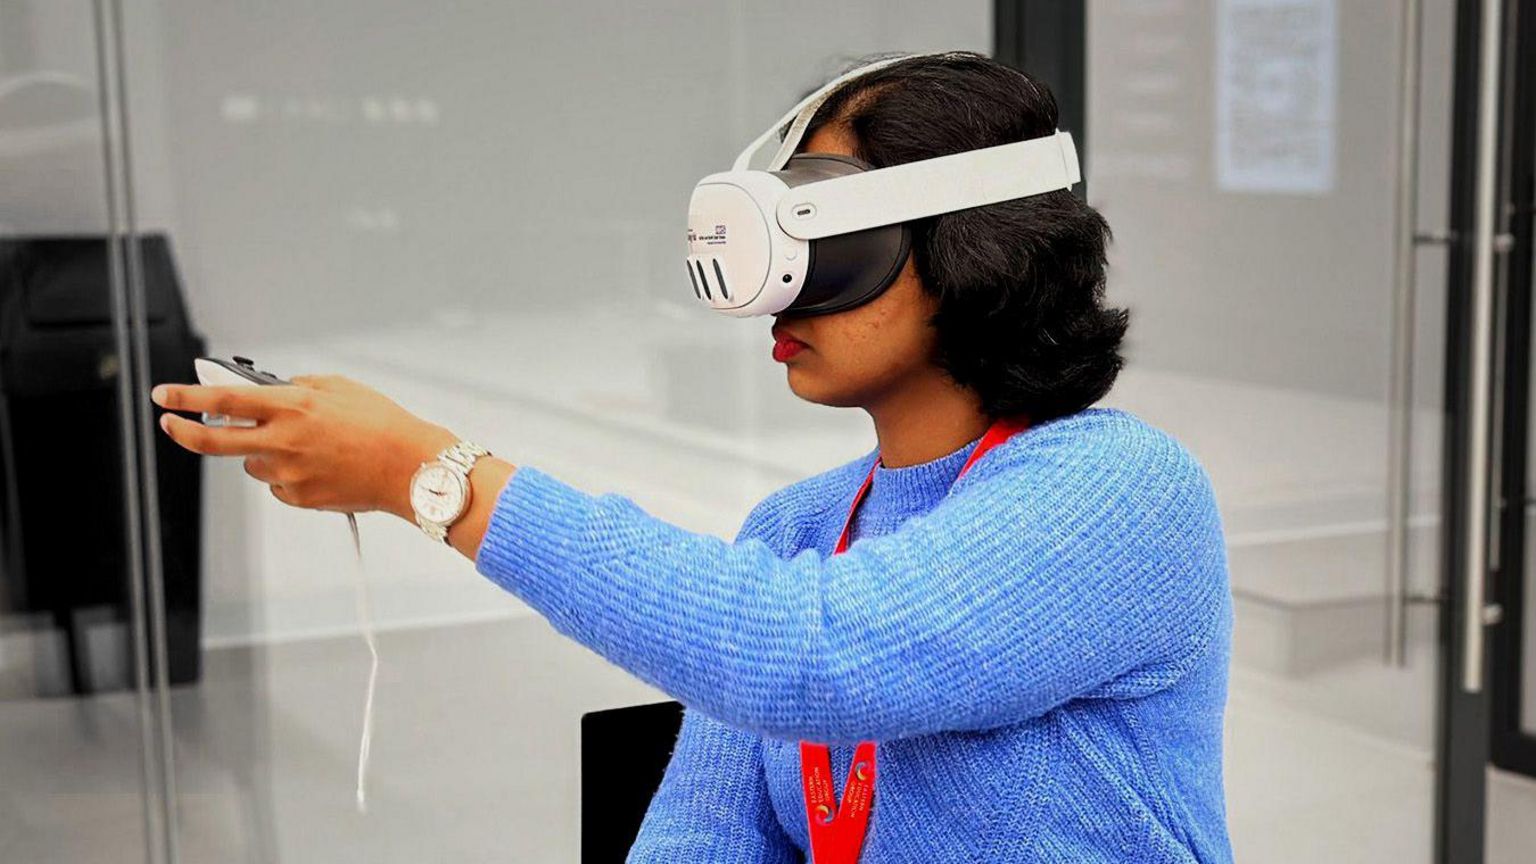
(235, 372)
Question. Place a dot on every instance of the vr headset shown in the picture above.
(815, 233)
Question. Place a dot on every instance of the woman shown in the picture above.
(1036, 640)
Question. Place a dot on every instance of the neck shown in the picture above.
(921, 423)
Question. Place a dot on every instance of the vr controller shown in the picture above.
(236, 371)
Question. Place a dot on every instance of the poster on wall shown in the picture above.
(1276, 88)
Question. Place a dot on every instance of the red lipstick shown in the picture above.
(785, 346)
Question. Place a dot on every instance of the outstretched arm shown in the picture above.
(1085, 557)
(1088, 560)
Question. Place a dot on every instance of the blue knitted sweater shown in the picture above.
(1040, 650)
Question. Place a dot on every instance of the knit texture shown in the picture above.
(1041, 649)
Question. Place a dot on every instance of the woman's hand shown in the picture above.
(326, 443)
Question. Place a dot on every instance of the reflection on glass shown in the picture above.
(1259, 338)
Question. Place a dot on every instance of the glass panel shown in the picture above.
(1260, 328)
(479, 209)
(70, 717)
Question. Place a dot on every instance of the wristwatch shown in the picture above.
(440, 488)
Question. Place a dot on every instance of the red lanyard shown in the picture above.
(837, 832)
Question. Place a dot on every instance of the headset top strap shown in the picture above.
(800, 116)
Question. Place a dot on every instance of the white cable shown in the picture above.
(365, 619)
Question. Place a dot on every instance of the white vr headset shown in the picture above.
(819, 232)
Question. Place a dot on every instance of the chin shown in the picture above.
(808, 388)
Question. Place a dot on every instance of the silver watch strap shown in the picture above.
(434, 530)
(463, 455)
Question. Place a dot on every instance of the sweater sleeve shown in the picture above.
(712, 806)
(1088, 560)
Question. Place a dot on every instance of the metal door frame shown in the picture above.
(130, 331)
(1513, 748)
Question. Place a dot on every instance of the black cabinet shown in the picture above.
(63, 525)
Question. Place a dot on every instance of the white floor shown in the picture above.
(475, 759)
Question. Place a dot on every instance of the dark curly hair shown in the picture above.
(1020, 284)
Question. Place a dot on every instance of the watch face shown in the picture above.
(437, 494)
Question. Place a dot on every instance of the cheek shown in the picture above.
(885, 338)
(874, 340)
